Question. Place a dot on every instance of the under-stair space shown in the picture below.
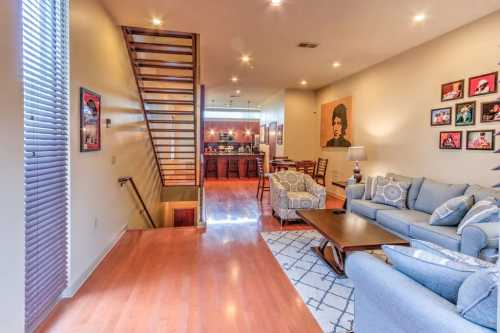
(165, 65)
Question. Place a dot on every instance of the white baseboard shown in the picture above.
(72, 289)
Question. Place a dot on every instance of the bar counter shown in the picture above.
(222, 159)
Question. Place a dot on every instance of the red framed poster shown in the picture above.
(90, 121)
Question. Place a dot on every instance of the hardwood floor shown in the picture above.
(222, 278)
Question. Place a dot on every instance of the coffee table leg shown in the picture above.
(331, 255)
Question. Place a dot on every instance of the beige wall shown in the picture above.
(301, 139)
(100, 209)
(392, 103)
(11, 177)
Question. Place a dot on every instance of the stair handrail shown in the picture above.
(123, 181)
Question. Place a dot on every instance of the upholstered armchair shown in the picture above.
(291, 190)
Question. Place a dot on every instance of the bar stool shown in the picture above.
(233, 167)
(252, 168)
(212, 167)
(261, 187)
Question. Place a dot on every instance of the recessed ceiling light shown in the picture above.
(336, 64)
(245, 58)
(238, 92)
(156, 21)
(276, 3)
(303, 82)
(419, 17)
(234, 79)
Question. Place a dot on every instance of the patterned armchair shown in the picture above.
(291, 190)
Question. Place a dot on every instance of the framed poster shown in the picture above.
(336, 123)
(452, 90)
(441, 117)
(90, 121)
(481, 140)
(450, 140)
(484, 84)
(490, 111)
(279, 135)
(465, 114)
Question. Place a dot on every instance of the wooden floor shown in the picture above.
(219, 279)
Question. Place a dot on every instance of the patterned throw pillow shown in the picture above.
(390, 192)
(449, 254)
(452, 211)
(370, 187)
(483, 211)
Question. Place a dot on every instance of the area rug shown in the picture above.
(329, 297)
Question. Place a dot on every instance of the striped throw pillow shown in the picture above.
(483, 211)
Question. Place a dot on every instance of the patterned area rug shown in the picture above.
(330, 298)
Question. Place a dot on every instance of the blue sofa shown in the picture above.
(424, 196)
(390, 302)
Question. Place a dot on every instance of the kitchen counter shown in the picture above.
(223, 158)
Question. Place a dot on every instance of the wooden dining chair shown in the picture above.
(320, 174)
(307, 167)
(277, 158)
(262, 186)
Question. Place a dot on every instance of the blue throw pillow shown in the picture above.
(452, 211)
(477, 298)
(449, 254)
(483, 211)
(441, 275)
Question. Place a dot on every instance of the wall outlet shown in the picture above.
(113, 160)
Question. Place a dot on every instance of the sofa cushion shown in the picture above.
(391, 192)
(481, 192)
(449, 254)
(370, 187)
(302, 200)
(433, 194)
(368, 208)
(442, 276)
(452, 211)
(483, 211)
(477, 298)
(445, 236)
(400, 220)
(416, 184)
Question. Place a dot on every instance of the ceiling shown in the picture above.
(357, 34)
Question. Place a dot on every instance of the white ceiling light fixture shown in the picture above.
(419, 18)
(276, 3)
(303, 83)
(336, 64)
(156, 21)
(238, 92)
(234, 79)
(245, 59)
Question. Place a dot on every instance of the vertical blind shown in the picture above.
(46, 122)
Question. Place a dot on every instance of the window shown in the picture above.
(46, 117)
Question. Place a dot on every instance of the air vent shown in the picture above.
(308, 45)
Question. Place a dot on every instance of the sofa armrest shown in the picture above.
(316, 190)
(389, 301)
(278, 194)
(352, 192)
(479, 236)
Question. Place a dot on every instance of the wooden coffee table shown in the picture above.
(346, 232)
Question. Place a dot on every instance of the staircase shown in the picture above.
(165, 66)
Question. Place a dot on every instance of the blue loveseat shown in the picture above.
(424, 196)
(390, 302)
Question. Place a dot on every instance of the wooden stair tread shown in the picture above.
(157, 33)
(168, 102)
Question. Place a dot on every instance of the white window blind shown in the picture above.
(46, 122)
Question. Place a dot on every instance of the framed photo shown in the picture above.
(441, 117)
(262, 136)
(452, 90)
(483, 84)
(490, 112)
(279, 135)
(266, 134)
(450, 140)
(481, 140)
(465, 114)
(90, 121)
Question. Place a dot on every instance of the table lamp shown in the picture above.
(356, 154)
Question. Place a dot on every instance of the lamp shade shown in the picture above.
(356, 154)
